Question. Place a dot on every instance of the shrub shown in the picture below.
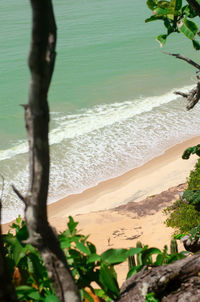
(183, 216)
(194, 178)
(192, 197)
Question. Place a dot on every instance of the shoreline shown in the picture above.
(155, 176)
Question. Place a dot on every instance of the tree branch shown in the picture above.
(195, 5)
(193, 96)
(181, 57)
(41, 63)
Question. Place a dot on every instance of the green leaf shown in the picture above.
(114, 256)
(87, 296)
(161, 40)
(134, 270)
(176, 4)
(151, 4)
(164, 4)
(196, 44)
(25, 291)
(108, 281)
(150, 297)
(18, 251)
(91, 247)
(154, 18)
(22, 234)
(191, 150)
(18, 219)
(146, 255)
(188, 28)
(159, 11)
(72, 224)
(134, 251)
(169, 26)
(93, 258)
(51, 298)
(81, 247)
(65, 242)
(159, 260)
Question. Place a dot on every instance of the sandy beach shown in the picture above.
(119, 212)
(157, 175)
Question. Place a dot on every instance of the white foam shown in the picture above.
(97, 117)
(108, 149)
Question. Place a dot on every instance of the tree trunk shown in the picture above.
(176, 282)
(41, 64)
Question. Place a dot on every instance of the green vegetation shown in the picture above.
(31, 280)
(183, 216)
(194, 178)
(185, 212)
(176, 19)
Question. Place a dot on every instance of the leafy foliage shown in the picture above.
(151, 297)
(30, 276)
(185, 212)
(194, 178)
(176, 18)
(195, 232)
(183, 216)
(191, 150)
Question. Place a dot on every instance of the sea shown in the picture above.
(112, 99)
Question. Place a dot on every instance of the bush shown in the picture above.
(194, 178)
(183, 216)
(192, 197)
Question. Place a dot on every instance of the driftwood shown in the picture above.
(176, 282)
(41, 64)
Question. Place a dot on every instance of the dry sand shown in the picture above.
(157, 175)
(113, 213)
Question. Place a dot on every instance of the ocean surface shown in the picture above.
(111, 99)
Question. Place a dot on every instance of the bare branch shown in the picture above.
(195, 5)
(19, 195)
(185, 95)
(193, 96)
(181, 57)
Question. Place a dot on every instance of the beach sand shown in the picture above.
(159, 174)
(119, 212)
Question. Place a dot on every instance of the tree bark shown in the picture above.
(176, 282)
(41, 63)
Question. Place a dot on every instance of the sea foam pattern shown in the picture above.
(100, 143)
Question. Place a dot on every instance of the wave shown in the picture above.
(97, 117)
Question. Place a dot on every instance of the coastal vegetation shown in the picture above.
(38, 265)
(93, 273)
(185, 212)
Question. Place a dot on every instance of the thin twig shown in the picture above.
(24, 199)
(181, 57)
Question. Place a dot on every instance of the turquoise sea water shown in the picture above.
(111, 99)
